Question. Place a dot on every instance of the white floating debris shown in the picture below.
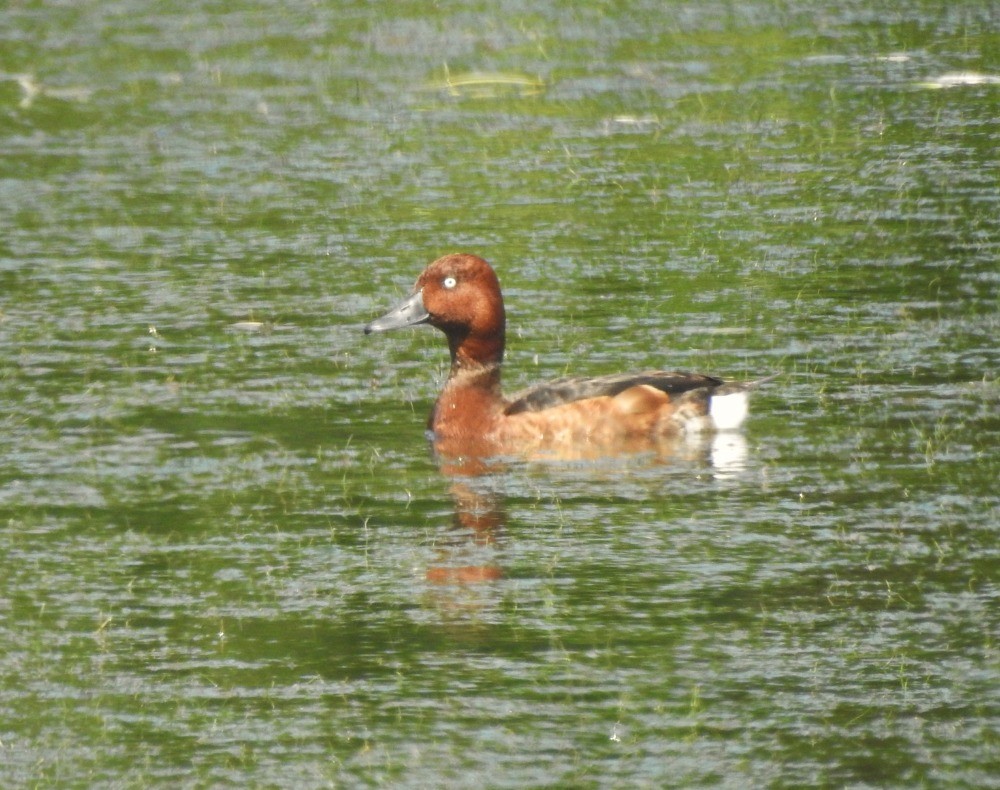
(33, 89)
(485, 85)
(634, 120)
(961, 78)
(247, 326)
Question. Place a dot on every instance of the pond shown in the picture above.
(230, 557)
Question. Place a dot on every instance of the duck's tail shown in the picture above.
(728, 405)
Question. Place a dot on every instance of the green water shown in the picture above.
(228, 557)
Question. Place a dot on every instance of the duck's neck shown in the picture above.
(472, 397)
(476, 352)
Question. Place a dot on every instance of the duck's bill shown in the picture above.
(408, 313)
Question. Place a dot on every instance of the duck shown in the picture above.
(574, 416)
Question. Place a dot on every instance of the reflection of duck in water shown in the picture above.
(576, 417)
(479, 515)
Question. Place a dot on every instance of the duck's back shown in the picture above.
(575, 388)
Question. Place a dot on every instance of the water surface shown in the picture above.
(229, 557)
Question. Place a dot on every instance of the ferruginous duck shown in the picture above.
(577, 416)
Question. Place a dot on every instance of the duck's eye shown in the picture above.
(449, 282)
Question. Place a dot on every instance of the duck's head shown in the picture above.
(460, 295)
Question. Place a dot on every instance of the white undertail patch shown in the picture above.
(729, 411)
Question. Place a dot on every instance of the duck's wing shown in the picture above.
(574, 388)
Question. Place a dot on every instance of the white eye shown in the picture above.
(449, 282)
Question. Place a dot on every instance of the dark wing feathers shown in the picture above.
(573, 388)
